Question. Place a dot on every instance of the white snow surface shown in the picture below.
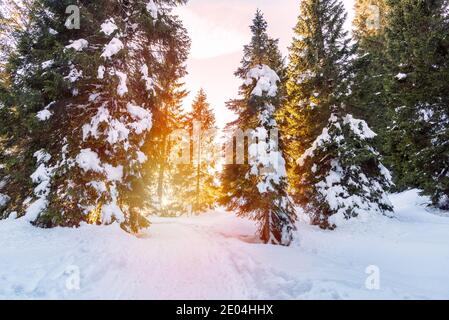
(217, 256)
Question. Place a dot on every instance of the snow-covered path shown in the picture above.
(216, 256)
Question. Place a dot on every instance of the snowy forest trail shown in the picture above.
(217, 256)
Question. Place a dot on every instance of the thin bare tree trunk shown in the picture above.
(198, 173)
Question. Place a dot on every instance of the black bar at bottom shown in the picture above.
(155, 309)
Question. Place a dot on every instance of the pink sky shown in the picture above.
(219, 29)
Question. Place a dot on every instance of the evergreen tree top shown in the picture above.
(202, 111)
(320, 54)
(320, 37)
(262, 49)
(260, 52)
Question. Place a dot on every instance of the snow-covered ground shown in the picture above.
(215, 256)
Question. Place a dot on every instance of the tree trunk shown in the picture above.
(198, 173)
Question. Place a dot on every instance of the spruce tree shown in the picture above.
(203, 193)
(164, 178)
(85, 97)
(335, 172)
(258, 188)
(24, 89)
(13, 132)
(317, 75)
(368, 75)
(417, 86)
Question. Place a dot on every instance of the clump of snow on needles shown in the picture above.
(112, 48)
(122, 87)
(118, 131)
(101, 70)
(323, 138)
(44, 115)
(78, 45)
(112, 210)
(266, 78)
(141, 157)
(88, 160)
(42, 177)
(153, 9)
(74, 74)
(359, 127)
(113, 173)
(4, 199)
(265, 159)
(401, 76)
(108, 27)
(142, 117)
(149, 82)
(333, 187)
(47, 64)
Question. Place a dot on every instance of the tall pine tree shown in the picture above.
(85, 97)
(317, 75)
(417, 86)
(335, 172)
(201, 124)
(13, 20)
(367, 86)
(162, 177)
(258, 188)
